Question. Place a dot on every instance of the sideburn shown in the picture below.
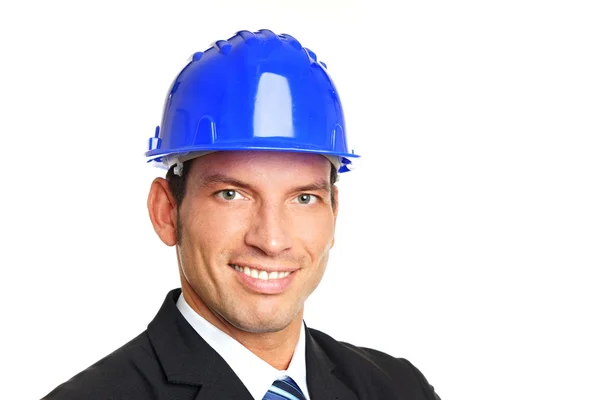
(178, 228)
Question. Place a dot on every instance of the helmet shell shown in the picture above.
(254, 91)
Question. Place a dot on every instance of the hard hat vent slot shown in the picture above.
(155, 142)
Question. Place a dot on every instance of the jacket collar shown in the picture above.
(187, 359)
(322, 376)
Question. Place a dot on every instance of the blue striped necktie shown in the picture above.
(284, 389)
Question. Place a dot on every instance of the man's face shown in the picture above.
(256, 229)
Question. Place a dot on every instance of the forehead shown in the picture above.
(261, 165)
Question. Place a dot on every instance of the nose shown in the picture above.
(270, 230)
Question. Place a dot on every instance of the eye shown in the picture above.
(229, 194)
(306, 198)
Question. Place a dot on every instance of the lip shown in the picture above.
(260, 286)
(263, 267)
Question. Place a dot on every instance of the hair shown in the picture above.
(177, 185)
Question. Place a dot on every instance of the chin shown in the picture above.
(266, 323)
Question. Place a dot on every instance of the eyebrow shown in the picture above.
(220, 178)
(320, 185)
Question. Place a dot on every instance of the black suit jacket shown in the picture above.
(170, 361)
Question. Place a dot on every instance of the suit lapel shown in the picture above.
(322, 381)
(187, 359)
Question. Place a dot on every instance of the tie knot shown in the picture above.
(284, 388)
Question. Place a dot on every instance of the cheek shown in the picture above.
(315, 231)
(214, 230)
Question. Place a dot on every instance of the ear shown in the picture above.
(163, 211)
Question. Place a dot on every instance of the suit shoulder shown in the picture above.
(366, 357)
(374, 365)
(123, 374)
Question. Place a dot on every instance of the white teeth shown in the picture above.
(263, 275)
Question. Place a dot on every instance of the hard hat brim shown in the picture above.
(155, 155)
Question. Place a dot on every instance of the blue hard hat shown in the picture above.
(254, 91)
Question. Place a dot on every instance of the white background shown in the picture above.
(469, 234)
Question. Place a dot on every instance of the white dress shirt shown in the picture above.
(256, 374)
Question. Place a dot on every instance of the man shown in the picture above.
(253, 138)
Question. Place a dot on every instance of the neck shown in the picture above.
(275, 348)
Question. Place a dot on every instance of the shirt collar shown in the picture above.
(256, 374)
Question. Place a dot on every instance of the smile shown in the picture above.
(258, 274)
